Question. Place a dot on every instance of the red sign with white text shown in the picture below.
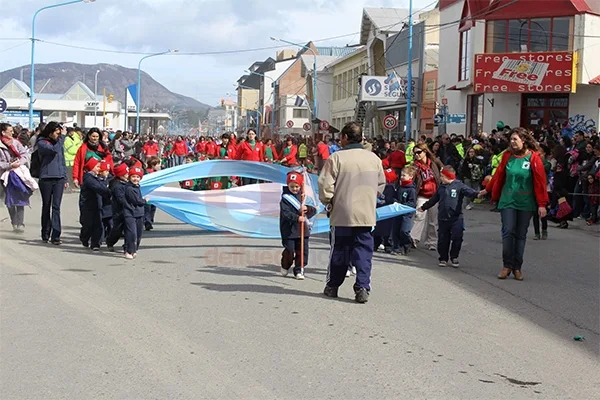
(523, 73)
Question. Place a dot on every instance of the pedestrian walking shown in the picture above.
(349, 185)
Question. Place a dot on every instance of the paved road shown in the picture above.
(206, 316)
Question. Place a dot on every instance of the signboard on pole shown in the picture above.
(456, 118)
(390, 122)
(391, 88)
(306, 127)
(290, 124)
(3, 105)
(18, 117)
(445, 101)
(324, 125)
(438, 119)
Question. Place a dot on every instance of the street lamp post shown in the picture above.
(138, 106)
(96, 96)
(314, 71)
(257, 111)
(32, 80)
(273, 83)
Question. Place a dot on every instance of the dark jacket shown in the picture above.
(117, 190)
(105, 201)
(134, 204)
(52, 158)
(450, 198)
(407, 195)
(288, 216)
(384, 227)
(93, 190)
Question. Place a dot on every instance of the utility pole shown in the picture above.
(409, 77)
(104, 109)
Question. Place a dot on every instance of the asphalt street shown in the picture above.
(200, 315)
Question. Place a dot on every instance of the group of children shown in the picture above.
(112, 206)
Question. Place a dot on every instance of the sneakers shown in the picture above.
(284, 272)
(19, 228)
(330, 292)
(431, 248)
(95, 249)
(362, 296)
(299, 276)
(129, 256)
(544, 235)
(469, 207)
(110, 249)
(537, 236)
(381, 247)
(455, 263)
(353, 270)
(442, 263)
(348, 273)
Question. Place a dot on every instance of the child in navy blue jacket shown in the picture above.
(382, 234)
(117, 189)
(133, 211)
(290, 220)
(107, 222)
(406, 194)
(90, 205)
(450, 195)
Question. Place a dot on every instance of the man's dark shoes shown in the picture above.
(362, 296)
(330, 292)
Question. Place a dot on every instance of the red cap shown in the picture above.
(104, 166)
(295, 177)
(137, 164)
(136, 171)
(91, 163)
(390, 175)
(121, 170)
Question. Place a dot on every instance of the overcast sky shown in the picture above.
(187, 25)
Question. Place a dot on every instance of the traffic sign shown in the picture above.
(438, 119)
(456, 118)
(3, 105)
(445, 101)
(290, 124)
(307, 127)
(324, 125)
(390, 122)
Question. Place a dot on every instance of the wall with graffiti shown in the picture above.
(580, 122)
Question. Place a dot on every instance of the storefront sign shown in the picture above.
(524, 73)
(391, 88)
(20, 117)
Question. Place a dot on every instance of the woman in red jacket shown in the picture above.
(201, 146)
(91, 147)
(180, 149)
(250, 150)
(519, 187)
(269, 151)
(288, 153)
(211, 148)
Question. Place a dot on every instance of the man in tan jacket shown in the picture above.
(349, 184)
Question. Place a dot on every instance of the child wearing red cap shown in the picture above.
(118, 186)
(153, 165)
(382, 234)
(449, 195)
(133, 211)
(93, 190)
(107, 221)
(292, 214)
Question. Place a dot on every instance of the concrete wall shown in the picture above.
(583, 106)
(507, 108)
(587, 27)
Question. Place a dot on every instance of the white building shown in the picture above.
(520, 64)
(78, 106)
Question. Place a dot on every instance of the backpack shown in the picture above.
(35, 165)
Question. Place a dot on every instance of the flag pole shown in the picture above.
(303, 223)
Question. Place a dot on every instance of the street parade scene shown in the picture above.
(404, 205)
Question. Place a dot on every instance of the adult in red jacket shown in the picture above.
(227, 150)
(519, 187)
(150, 148)
(180, 149)
(288, 153)
(250, 150)
(91, 147)
(269, 151)
(323, 153)
(212, 150)
(201, 146)
(397, 160)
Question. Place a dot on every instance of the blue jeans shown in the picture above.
(514, 235)
(401, 231)
(52, 192)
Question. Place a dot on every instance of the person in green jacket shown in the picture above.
(73, 142)
(302, 151)
(409, 151)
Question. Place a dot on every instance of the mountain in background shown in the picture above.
(114, 78)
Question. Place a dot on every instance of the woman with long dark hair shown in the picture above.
(53, 179)
(519, 187)
(92, 147)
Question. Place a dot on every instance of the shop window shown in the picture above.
(544, 109)
(476, 114)
(300, 113)
(529, 35)
(466, 56)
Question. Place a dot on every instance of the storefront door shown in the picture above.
(544, 109)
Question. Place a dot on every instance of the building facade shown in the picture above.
(520, 63)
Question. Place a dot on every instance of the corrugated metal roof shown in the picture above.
(335, 51)
(322, 61)
(382, 19)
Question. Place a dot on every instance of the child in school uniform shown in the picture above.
(153, 165)
(382, 234)
(292, 215)
(450, 195)
(133, 211)
(117, 189)
(90, 205)
(406, 194)
(107, 222)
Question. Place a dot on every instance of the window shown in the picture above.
(300, 113)
(529, 35)
(466, 56)
(430, 90)
(335, 83)
(476, 115)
